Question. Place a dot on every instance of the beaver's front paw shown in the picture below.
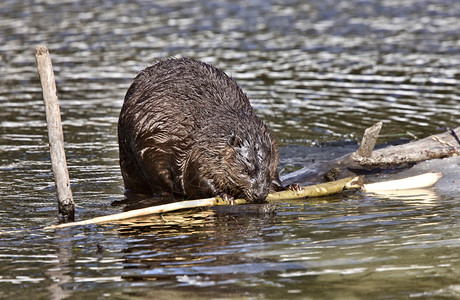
(294, 187)
(229, 199)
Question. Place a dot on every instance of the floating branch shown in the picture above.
(311, 191)
(151, 210)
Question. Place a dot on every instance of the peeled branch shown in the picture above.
(150, 211)
(415, 182)
(318, 190)
(310, 191)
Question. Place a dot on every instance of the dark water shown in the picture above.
(316, 71)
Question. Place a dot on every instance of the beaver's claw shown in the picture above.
(229, 199)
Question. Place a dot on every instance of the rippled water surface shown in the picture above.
(318, 72)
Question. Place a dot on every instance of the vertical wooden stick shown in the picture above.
(369, 139)
(66, 204)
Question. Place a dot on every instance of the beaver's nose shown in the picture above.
(259, 194)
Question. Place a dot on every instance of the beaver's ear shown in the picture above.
(233, 140)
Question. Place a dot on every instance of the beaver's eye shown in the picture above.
(249, 170)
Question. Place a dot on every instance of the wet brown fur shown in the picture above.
(187, 129)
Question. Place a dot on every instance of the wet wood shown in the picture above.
(141, 212)
(369, 140)
(364, 161)
(324, 189)
(311, 191)
(66, 204)
(433, 147)
(318, 190)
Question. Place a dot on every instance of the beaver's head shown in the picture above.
(250, 166)
(236, 165)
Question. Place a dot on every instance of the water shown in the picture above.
(318, 72)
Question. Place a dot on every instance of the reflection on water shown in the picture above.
(319, 72)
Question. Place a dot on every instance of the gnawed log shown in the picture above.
(365, 161)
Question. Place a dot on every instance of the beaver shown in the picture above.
(187, 129)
